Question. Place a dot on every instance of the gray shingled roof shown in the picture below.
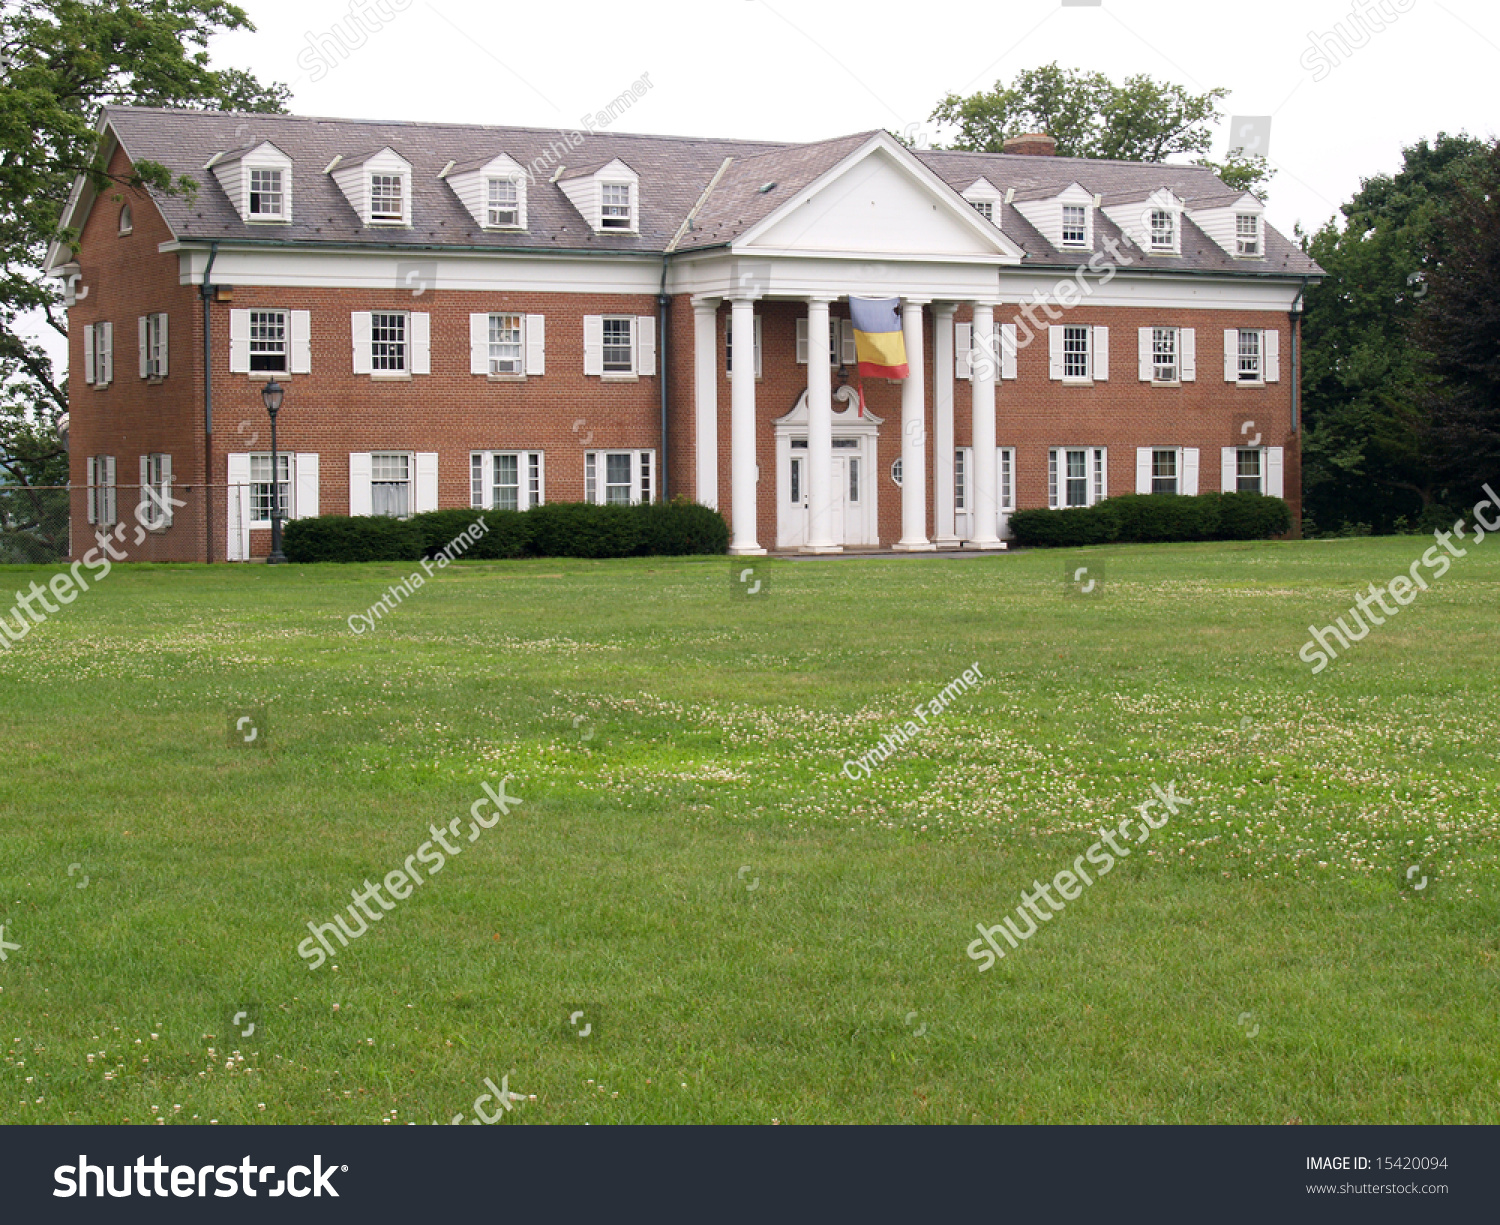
(674, 173)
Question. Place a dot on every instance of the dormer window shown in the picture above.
(1163, 230)
(504, 203)
(1075, 220)
(1246, 234)
(266, 194)
(615, 212)
(985, 208)
(387, 197)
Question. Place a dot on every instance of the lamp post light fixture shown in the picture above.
(271, 395)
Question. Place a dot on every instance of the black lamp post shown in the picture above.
(271, 394)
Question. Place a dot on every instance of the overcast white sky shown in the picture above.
(769, 69)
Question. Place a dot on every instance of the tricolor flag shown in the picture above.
(877, 337)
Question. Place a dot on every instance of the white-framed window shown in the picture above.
(896, 467)
(260, 488)
(503, 202)
(1163, 229)
(729, 345)
(390, 484)
(1249, 474)
(127, 220)
(99, 354)
(507, 344)
(269, 348)
(388, 342)
(1250, 367)
(985, 208)
(1075, 220)
(841, 350)
(266, 195)
(387, 197)
(101, 490)
(961, 478)
(1164, 367)
(507, 480)
(1005, 476)
(1076, 364)
(616, 207)
(619, 344)
(1077, 476)
(619, 478)
(154, 512)
(153, 343)
(1254, 470)
(1164, 470)
(1246, 234)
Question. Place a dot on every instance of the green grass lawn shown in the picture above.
(749, 935)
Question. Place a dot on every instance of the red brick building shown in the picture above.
(464, 315)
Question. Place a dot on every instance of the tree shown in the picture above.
(1458, 327)
(60, 62)
(1366, 450)
(1141, 120)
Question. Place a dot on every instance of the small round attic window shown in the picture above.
(125, 219)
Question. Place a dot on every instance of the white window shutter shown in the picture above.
(1101, 354)
(1054, 352)
(963, 342)
(88, 358)
(1229, 470)
(143, 323)
(109, 490)
(143, 499)
(1231, 355)
(239, 342)
(1187, 355)
(593, 344)
(536, 344)
(802, 341)
(301, 355)
(93, 481)
(1146, 359)
(361, 497)
(1143, 469)
(479, 344)
(164, 345)
(1275, 472)
(1189, 483)
(305, 486)
(849, 354)
(1008, 349)
(360, 331)
(645, 344)
(106, 342)
(1271, 346)
(237, 547)
(426, 497)
(421, 343)
(757, 345)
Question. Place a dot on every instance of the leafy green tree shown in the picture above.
(60, 62)
(1139, 120)
(1366, 450)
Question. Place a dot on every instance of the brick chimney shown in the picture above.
(1036, 144)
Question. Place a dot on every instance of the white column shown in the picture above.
(706, 399)
(914, 434)
(819, 433)
(985, 480)
(743, 475)
(942, 426)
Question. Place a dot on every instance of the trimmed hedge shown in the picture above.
(1141, 518)
(556, 529)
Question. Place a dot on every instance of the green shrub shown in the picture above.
(1252, 516)
(344, 538)
(507, 534)
(1068, 528)
(1148, 517)
(1155, 517)
(580, 529)
(679, 528)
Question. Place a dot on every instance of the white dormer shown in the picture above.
(1064, 218)
(985, 198)
(494, 192)
(377, 186)
(1152, 220)
(608, 196)
(258, 182)
(1236, 221)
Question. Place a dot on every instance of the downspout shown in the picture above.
(663, 302)
(1295, 316)
(208, 405)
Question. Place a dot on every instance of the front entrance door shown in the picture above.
(852, 520)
